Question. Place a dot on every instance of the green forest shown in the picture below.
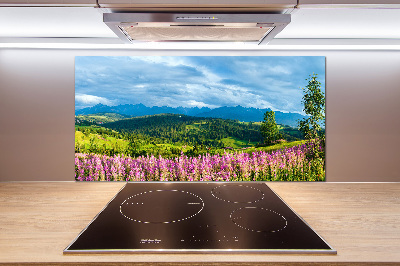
(170, 135)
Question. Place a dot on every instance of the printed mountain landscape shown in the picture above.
(199, 119)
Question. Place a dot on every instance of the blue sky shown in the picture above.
(204, 81)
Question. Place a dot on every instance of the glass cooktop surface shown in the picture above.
(198, 217)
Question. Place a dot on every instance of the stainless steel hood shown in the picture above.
(257, 28)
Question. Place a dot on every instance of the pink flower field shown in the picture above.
(289, 164)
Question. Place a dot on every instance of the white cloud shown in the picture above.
(279, 70)
(90, 100)
(179, 61)
(167, 60)
(209, 75)
(194, 103)
(259, 103)
(257, 69)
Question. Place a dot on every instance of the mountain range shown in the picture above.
(245, 114)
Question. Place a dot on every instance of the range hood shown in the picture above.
(257, 28)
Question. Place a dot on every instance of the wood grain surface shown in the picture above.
(360, 220)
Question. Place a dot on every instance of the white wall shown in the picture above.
(37, 112)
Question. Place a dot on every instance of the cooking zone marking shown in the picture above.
(257, 219)
(141, 200)
(230, 194)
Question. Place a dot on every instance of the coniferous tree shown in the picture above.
(269, 128)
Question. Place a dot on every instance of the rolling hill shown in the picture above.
(240, 113)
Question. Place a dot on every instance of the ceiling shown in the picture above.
(75, 24)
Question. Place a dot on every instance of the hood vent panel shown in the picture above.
(196, 33)
(158, 27)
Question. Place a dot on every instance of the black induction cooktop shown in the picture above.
(198, 217)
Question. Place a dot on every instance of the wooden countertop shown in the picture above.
(360, 220)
